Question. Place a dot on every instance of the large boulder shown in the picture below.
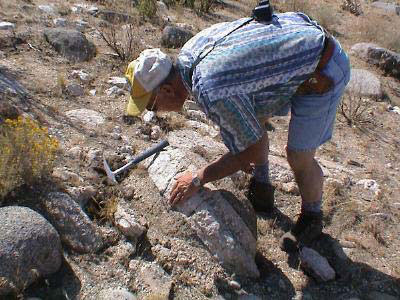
(30, 247)
(76, 230)
(385, 59)
(217, 223)
(70, 43)
(175, 36)
(365, 84)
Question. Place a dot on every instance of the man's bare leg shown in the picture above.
(309, 178)
(308, 175)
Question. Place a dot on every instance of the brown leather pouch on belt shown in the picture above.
(318, 83)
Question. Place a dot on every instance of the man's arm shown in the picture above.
(220, 168)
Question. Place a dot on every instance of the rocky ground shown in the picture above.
(123, 241)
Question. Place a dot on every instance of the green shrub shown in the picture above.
(27, 153)
(147, 8)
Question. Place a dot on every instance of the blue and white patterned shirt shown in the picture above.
(250, 73)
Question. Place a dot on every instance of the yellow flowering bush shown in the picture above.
(27, 153)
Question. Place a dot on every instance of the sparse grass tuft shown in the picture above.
(381, 31)
(108, 208)
(292, 5)
(27, 153)
(156, 297)
(61, 83)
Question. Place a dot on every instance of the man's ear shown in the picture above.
(167, 90)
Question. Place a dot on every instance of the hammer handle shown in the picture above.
(149, 152)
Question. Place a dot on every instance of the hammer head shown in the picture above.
(110, 174)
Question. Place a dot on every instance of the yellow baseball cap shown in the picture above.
(144, 75)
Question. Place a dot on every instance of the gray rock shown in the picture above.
(70, 43)
(369, 184)
(86, 116)
(75, 228)
(158, 281)
(365, 84)
(127, 223)
(175, 37)
(60, 22)
(162, 8)
(203, 128)
(210, 214)
(75, 90)
(385, 59)
(81, 25)
(116, 294)
(193, 141)
(148, 116)
(7, 26)
(83, 76)
(48, 9)
(388, 7)
(316, 264)
(84, 8)
(30, 247)
(120, 82)
(114, 90)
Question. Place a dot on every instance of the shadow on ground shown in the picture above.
(353, 279)
(63, 284)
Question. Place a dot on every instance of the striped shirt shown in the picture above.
(248, 72)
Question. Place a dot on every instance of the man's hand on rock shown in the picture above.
(183, 188)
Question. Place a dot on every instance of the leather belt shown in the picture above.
(319, 83)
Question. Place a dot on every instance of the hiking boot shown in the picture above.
(261, 196)
(307, 229)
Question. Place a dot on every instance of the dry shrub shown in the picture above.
(200, 6)
(353, 109)
(108, 208)
(353, 6)
(325, 15)
(123, 41)
(27, 153)
(205, 5)
(379, 30)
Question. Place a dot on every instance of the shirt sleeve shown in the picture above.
(237, 121)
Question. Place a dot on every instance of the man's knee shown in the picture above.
(299, 160)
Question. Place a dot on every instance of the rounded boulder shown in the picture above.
(30, 247)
